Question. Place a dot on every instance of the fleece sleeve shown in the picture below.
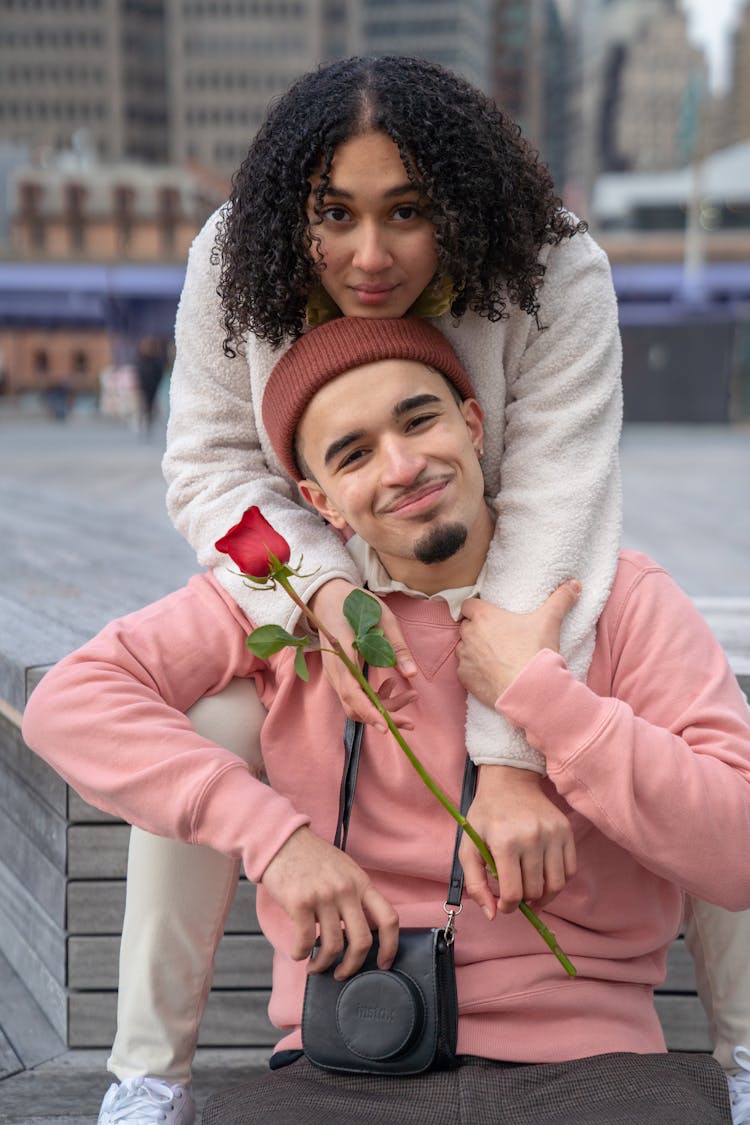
(559, 504)
(662, 766)
(214, 465)
(109, 718)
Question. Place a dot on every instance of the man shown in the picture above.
(376, 421)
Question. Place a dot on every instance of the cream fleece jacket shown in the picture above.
(650, 760)
(552, 403)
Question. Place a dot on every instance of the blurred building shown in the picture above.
(171, 80)
(739, 111)
(226, 62)
(457, 35)
(638, 89)
(95, 261)
(662, 81)
(679, 243)
(98, 65)
(69, 209)
(530, 78)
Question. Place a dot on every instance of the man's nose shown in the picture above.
(402, 463)
(371, 254)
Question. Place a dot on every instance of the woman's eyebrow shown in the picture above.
(399, 189)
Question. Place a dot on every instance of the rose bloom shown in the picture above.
(251, 542)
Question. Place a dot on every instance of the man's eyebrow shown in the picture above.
(340, 444)
(414, 403)
(401, 408)
(399, 189)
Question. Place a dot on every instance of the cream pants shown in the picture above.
(179, 895)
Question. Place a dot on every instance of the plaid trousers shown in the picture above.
(614, 1089)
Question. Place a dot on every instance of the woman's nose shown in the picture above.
(371, 253)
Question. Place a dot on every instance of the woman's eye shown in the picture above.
(406, 211)
(336, 214)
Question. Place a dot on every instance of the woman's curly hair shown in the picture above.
(492, 201)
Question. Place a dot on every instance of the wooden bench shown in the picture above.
(62, 868)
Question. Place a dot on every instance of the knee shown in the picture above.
(233, 719)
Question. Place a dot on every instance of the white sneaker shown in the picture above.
(141, 1101)
(739, 1087)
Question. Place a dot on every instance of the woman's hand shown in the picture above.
(327, 604)
(496, 644)
(530, 839)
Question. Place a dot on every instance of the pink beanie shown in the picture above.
(338, 346)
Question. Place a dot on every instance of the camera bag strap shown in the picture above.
(353, 732)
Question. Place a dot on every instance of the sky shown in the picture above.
(710, 22)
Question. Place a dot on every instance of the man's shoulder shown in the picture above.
(641, 586)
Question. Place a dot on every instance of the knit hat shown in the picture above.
(338, 346)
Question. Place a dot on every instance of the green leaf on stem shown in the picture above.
(362, 611)
(376, 650)
(269, 639)
(300, 664)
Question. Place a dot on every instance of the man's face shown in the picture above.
(394, 457)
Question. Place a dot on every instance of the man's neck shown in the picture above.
(458, 572)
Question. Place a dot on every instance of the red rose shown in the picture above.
(251, 542)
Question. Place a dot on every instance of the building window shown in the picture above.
(30, 214)
(75, 196)
(169, 212)
(123, 205)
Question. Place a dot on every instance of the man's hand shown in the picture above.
(327, 603)
(322, 889)
(530, 839)
(496, 644)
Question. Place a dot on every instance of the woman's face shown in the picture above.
(376, 239)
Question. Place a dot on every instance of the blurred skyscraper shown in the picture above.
(93, 65)
(531, 75)
(172, 80)
(597, 85)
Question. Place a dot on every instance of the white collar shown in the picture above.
(379, 580)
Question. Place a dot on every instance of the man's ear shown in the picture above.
(474, 417)
(314, 495)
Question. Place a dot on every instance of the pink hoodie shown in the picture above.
(650, 759)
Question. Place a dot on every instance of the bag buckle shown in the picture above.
(449, 933)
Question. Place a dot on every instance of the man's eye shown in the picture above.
(420, 420)
(352, 458)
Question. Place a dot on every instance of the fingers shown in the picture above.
(395, 696)
(392, 629)
(383, 918)
(355, 703)
(476, 884)
(562, 600)
(357, 706)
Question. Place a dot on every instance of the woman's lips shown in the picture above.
(373, 296)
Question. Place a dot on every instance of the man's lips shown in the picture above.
(417, 498)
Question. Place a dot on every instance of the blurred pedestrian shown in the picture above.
(149, 366)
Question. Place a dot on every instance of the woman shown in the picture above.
(376, 187)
